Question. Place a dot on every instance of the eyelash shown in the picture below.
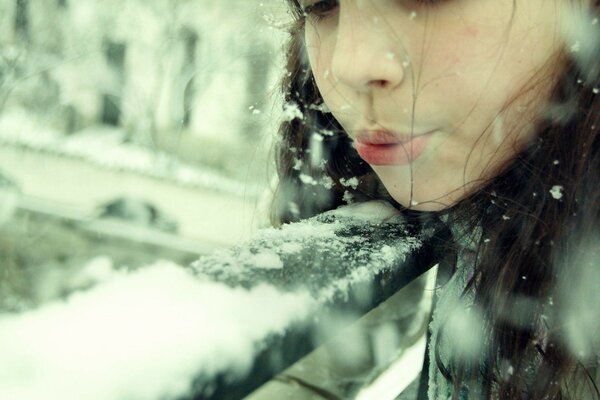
(321, 9)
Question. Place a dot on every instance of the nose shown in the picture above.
(367, 54)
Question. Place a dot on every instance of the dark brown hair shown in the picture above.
(534, 245)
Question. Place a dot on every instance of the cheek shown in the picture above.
(331, 92)
(451, 58)
(470, 67)
(311, 45)
(318, 53)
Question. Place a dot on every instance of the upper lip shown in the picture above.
(383, 136)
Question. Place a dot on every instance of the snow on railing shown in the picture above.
(218, 329)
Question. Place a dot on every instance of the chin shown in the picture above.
(429, 191)
(429, 203)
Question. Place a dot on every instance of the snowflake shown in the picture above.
(350, 182)
(556, 192)
(307, 179)
(575, 47)
(291, 111)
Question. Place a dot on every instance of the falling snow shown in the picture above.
(308, 180)
(557, 192)
(350, 182)
(291, 111)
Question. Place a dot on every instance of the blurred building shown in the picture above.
(177, 75)
(180, 89)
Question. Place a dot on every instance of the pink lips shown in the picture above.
(387, 148)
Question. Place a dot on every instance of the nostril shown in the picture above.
(380, 83)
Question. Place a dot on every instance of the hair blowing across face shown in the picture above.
(535, 244)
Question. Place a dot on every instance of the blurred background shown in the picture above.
(130, 131)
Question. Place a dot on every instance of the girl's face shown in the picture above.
(437, 95)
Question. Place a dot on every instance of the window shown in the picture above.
(22, 18)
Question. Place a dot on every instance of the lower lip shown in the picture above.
(393, 153)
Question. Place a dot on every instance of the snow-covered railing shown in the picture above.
(217, 330)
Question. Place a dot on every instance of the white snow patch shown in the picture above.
(348, 197)
(372, 211)
(307, 179)
(320, 107)
(291, 247)
(579, 32)
(305, 230)
(388, 254)
(316, 149)
(297, 164)
(143, 335)
(576, 47)
(350, 182)
(267, 260)
(557, 192)
(317, 137)
(291, 111)
(294, 208)
(327, 182)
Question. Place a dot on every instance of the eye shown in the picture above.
(426, 2)
(321, 9)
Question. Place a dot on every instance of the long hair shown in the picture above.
(539, 220)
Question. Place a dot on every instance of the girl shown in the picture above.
(483, 115)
